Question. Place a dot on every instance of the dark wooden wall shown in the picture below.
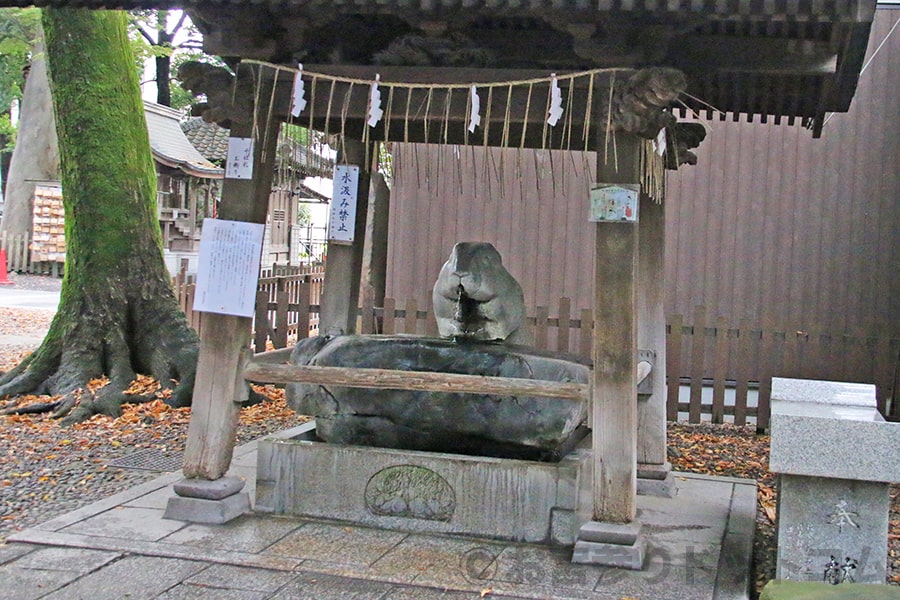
(771, 225)
(773, 220)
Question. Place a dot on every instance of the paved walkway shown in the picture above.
(121, 547)
(13, 297)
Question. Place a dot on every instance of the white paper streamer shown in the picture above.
(298, 101)
(661, 142)
(475, 119)
(556, 109)
(375, 112)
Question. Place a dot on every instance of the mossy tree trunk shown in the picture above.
(117, 314)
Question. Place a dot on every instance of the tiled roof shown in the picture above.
(208, 138)
(170, 146)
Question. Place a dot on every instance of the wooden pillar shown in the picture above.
(374, 264)
(219, 381)
(651, 332)
(614, 380)
(340, 292)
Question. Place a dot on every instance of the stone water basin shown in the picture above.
(528, 428)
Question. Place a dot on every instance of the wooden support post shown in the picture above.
(613, 537)
(374, 264)
(614, 350)
(340, 294)
(219, 382)
(654, 471)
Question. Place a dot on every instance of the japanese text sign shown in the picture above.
(228, 270)
(239, 164)
(343, 204)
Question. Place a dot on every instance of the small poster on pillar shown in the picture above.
(342, 220)
(228, 269)
(239, 162)
(614, 202)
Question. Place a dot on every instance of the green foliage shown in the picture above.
(304, 215)
(299, 136)
(19, 29)
(386, 162)
(7, 134)
(167, 35)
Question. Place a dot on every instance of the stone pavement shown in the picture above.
(121, 547)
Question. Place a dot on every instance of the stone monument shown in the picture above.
(835, 456)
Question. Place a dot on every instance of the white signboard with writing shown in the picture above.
(239, 164)
(614, 202)
(228, 269)
(343, 204)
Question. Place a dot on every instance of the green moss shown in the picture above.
(107, 169)
(804, 590)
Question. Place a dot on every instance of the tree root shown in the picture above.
(75, 369)
(32, 409)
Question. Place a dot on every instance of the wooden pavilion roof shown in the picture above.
(781, 59)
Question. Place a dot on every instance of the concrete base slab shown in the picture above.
(624, 534)
(199, 510)
(611, 545)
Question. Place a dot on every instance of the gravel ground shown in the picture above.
(46, 470)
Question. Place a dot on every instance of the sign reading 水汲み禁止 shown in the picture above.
(343, 204)
(614, 202)
(228, 270)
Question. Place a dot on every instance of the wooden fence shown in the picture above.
(287, 304)
(717, 370)
(18, 257)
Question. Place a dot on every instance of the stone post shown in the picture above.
(836, 458)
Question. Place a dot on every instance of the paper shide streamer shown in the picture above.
(492, 109)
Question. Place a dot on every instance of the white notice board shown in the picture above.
(228, 270)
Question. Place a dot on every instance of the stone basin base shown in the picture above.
(428, 492)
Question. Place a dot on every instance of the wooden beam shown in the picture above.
(614, 351)
(413, 380)
(752, 54)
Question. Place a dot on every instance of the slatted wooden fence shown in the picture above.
(717, 370)
(287, 305)
(726, 367)
(18, 256)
